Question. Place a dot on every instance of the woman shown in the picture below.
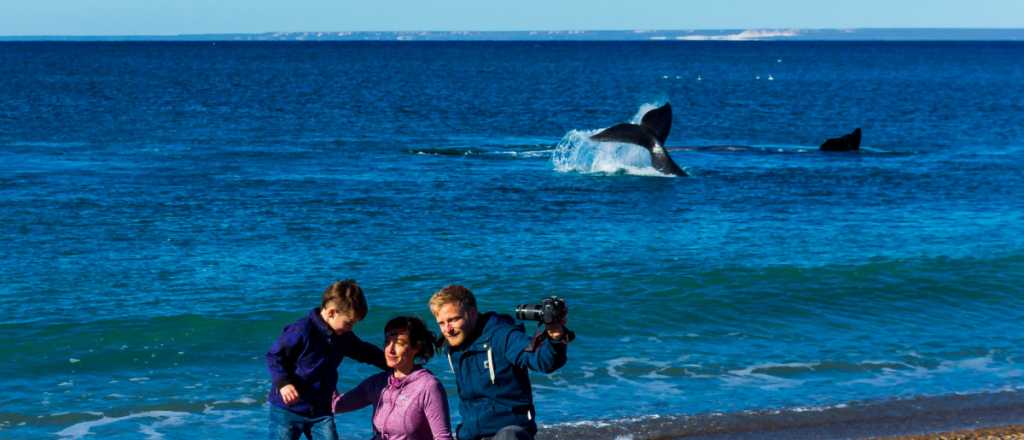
(409, 403)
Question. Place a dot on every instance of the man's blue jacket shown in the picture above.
(307, 355)
(492, 377)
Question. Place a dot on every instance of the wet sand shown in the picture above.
(978, 416)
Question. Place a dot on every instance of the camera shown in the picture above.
(549, 311)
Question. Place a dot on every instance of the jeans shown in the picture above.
(286, 425)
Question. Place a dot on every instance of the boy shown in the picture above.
(304, 361)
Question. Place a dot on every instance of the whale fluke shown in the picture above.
(848, 142)
(659, 121)
(651, 134)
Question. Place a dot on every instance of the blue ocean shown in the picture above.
(166, 208)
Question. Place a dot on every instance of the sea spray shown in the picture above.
(576, 152)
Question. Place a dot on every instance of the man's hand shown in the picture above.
(289, 394)
(556, 330)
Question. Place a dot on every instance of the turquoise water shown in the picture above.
(167, 208)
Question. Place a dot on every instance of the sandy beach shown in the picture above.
(1012, 432)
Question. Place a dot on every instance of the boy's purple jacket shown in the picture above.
(307, 355)
(412, 408)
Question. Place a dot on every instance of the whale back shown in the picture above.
(847, 142)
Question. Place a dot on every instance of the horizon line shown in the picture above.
(525, 32)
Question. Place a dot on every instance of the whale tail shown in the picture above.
(651, 134)
(847, 142)
(652, 130)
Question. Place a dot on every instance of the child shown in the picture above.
(304, 361)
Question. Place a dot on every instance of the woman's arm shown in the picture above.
(364, 394)
(435, 408)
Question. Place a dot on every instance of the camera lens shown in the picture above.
(530, 312)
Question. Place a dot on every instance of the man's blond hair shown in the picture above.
(452, 294)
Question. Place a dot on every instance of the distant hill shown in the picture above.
(917, 34)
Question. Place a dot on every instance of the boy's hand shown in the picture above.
(289, 394)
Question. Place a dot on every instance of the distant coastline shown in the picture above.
(865, 34)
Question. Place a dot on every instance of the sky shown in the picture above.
(173, 17)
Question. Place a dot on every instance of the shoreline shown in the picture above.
(996, 415)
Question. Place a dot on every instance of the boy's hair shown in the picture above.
(453, 293)
(419, 336)
(347, 296)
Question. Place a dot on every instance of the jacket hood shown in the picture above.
(318, 322)
(488, 325)
(418, 375)
(492, 325)
(493, 322)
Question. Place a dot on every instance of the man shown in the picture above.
(490, 355)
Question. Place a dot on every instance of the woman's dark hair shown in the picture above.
(419, 336)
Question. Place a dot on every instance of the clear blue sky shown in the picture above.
(163, 17)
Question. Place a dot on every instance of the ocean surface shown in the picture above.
(166, 208)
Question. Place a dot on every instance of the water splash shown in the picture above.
(577, 153)
(640, 112)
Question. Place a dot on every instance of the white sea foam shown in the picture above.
(650, 381)
(878, 381)
(537, 153)
(243, 401)
(761, 375)
(754, 369)
(982, 364)
(164, 418)
(525, 154)
(603, 423)
(906, 373)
